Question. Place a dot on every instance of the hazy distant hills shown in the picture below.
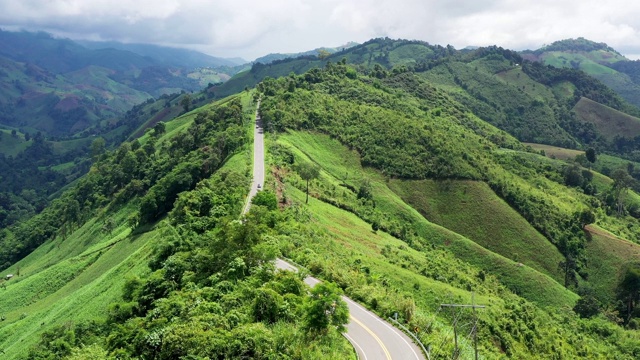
(60, 87)
(166, 55)
(280, 56)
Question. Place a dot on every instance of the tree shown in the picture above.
(97, 148)
(364, 192)
(308, 171)
(588, 305)
(591, 155)
(570, 268)
(621, 183)
(266, 198)
(14, 133)
(324, 308)
(186, 102)
(108, 226)
(27, 136)
(586, 217)
(159, 129)
(323, 54)
(267, 306)
(629, 292)
(573, 175)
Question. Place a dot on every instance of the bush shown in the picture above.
(267, 199)
(587, 306)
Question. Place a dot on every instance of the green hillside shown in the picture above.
(472, 209)
(347, 109)
(597, 60)
(610, 256)
(35, 167)
(500, 260)
(382, 272)
(61, 88)
(532, 102)
(116, 250)
(383, 52)
(12, 145)
(423, 195)
(609, 122)
(70, 280)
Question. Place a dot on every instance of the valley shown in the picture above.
(402, 175)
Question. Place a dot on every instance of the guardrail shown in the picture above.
(407, 331)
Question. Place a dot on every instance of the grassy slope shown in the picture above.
(12, 146)
(473, 210)
(69, 279)
(604, 165)
(77, 277)
(587, 64)
(344, 249)
(337, 161)
(556, 151)
(596, 63)
(386, 259)
(609, 122)
(518, 78)
(608, 255)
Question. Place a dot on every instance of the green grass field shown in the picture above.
(473, 210)
(521, 80)
(608, 255)
(609, 122)
(10, 145)
(345, 249)
(585, 61)
(69, 279)
(555, 151)
(339, 163)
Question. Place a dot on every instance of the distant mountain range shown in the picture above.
(61, 87)
(166, 55)
(280, 56)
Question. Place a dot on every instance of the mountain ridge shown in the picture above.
(391, 142)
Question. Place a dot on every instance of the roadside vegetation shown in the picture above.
(390, 183)
(551, 204)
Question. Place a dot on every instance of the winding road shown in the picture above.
(371, 337)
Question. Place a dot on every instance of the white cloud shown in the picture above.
(251, 28)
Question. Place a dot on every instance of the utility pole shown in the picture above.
(473, 306)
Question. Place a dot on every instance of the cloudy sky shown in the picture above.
(252, 28)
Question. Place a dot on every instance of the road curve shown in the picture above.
(371, 337)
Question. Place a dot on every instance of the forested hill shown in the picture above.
(34, 167)
(532, 102)
(62, 103)
(323, 51)
(413, 201)
(416, 143)
(596, 59)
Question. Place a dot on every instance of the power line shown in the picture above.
(456, 350)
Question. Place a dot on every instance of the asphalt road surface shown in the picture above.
(258, 161)
(372, 337)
